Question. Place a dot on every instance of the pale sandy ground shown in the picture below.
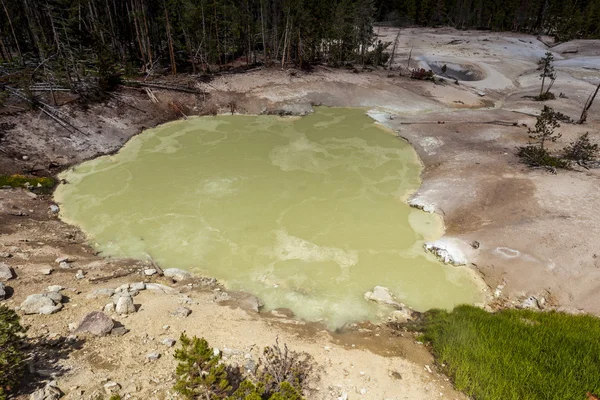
(538, 232)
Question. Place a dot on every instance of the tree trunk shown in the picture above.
(588, 105)
(171, 51)
(13, 31)
(262, 23)
(542, 88)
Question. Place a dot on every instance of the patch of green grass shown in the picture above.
(24, 181)
(517, 354)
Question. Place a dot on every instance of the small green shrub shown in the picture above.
(282, 374)
(200, 373)
(545, 96)
(535, 156)
(516, 354)
(581, 151)
(12, 356)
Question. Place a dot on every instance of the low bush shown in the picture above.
(422, 75)
(536, 156)
(201, 374)
(581, 151)
(545, 96)
(25, 181)
(12, 356)
(516, 354)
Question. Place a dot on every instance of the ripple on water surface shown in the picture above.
(307, 213)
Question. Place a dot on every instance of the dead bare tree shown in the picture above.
(588, 105)
(13, 31)
(394, 49)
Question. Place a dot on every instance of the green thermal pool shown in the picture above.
(306, 213)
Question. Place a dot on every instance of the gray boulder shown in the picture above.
(96, 323)
(34, 303)
(181, 312)
(6, 272)
(125, 305)
(2, 291)
(177, 274)
(55, 296)
(49, 392)
(108, 292)
(47, 310)
(138, 286)
(382, 295)
(160, 288)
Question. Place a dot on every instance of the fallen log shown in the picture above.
(161, 86)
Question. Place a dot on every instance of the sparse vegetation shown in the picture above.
(536, 154)
(516, 354)
(582, 151)
(12, 356)
(547, 68)
(422, 74)
(281, 374)
(26, 181)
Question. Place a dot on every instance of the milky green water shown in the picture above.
(306, 213)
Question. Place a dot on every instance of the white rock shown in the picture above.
(54, 288)
(400, 316)
(382, 295)
(169, 342)
(46, 271)
(111, 387)
(109, 308)
(62, 259)
(177, 274)
(55, 296)
(125, 305)
(107, 292)
(47, 310)
(122, 288)
(447, 250)
(216, 352)
(80, 274)
(64, 265)
(138, 286)
(6, 272)
(152, 356)
(54, 208)
(160, 288)
(150, 271)
(35, 302)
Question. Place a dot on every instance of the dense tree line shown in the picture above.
(566, 19)
(67, 39)
(185, 35)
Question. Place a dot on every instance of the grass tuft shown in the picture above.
(516, 354)
(25, 181)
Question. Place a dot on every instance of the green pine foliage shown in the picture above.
(201, 374)
(516, 354)
(582, 151)
(565, 19)
(12, 356)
